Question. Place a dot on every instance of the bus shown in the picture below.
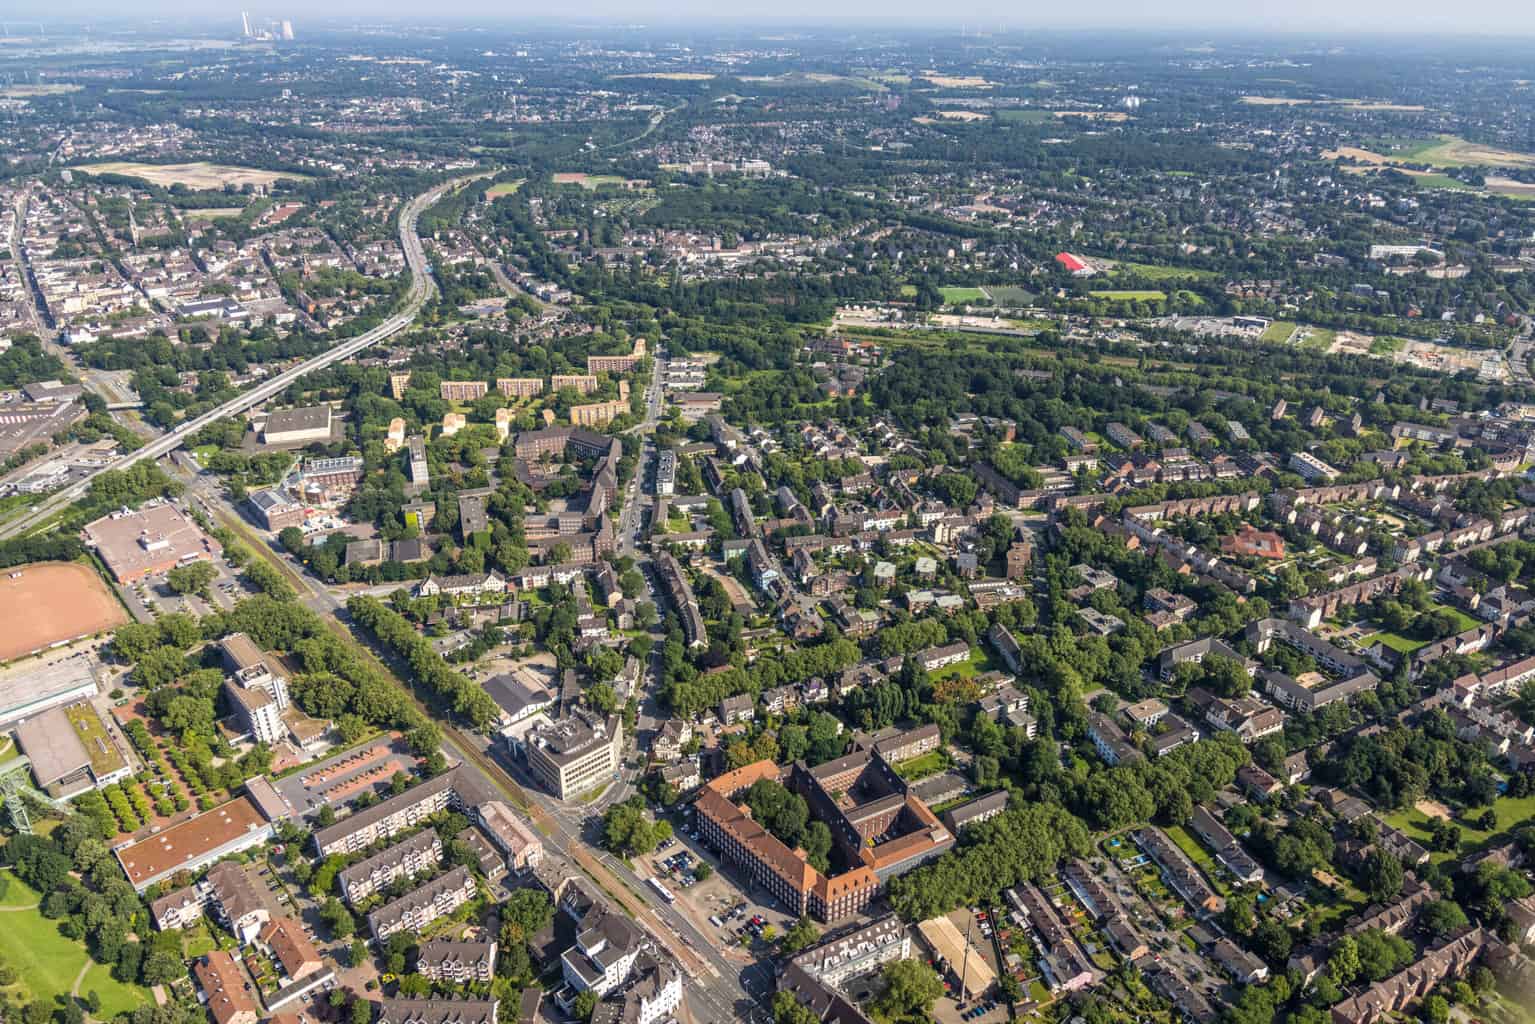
(661, 890)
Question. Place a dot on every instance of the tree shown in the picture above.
(1381, 877)
(789, 1010)
(585, 1003)
(799, 935)
(1443, 917)
(192, 578)
(162, 966)
(911, 989)
(626, 830)
(1272, 941)
(338, 918)
(1343, 964)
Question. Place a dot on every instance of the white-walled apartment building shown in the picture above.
(259, 694)
(456, 962)
(390, 817)
(403, 859)
(856, 952)
(423, 905)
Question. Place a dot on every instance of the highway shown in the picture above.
(421, 288)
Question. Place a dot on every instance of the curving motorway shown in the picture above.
(421, 288)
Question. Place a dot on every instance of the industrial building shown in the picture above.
(306, 425)
(149, 542)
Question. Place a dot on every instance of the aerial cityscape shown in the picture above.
(867, 522)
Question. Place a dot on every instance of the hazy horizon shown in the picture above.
(1377, 17)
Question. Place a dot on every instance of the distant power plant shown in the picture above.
(266, 29)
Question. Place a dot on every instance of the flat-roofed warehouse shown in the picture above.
(228, 828)
(297, 426)
(149, 542)
(71, 751)
(31, 688)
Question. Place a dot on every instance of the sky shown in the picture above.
(1495, 17)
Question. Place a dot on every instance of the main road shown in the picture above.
(421, 288)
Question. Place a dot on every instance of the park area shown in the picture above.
(46, 963)
(200, 175)
(1416, 822)
(50, 603)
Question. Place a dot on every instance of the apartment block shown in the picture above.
(463, 390)
(520, 387)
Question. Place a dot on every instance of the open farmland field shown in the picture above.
(53, 602)
(804, 78)
(200, 175)
(1358, 106)
(1025, 116)
(212, 213)
(956, 81)
(1510, 188)
(27, 92)
(672, 76)
(1448, 151)
(1094, 115)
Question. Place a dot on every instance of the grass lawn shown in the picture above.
(116, 997)
(930, 763)
(954, 295)
(1010, 295)
(504, 188)
(1026, 116)
(1158, 273)
(47, 963)
(1196, 853)
(1395, 641)
(1463, 621)
(1129, 296)
(1318, 339)
(197, 941)
(1441, 181)
(1386, 346)
(908, 291)
(1278, 332)
(1511, 811)
(980, 661)
(16, 893)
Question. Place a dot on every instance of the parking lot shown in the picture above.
(152, 596)
(724, 905)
